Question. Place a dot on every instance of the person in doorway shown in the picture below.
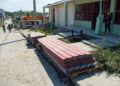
(107, 21)
(4, 30)
(9, 28)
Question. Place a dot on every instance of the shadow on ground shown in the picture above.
(11, 42)
(87, 75)
(29, 46)
(52, 73)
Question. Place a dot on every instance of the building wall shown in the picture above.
(2, 16)
(116, 29)
(50, 14)
(2, 13)
(85, 1)
(61, 15)
(71, 12)
(56, 15)
(83, 24)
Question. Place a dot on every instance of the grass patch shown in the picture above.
(110, 58)
(46, 31)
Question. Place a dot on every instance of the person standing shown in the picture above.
(9, 28)
(107, 21)
(4, 30)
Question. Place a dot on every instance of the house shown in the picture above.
(86, 14)
(28, 21)
(2, 16)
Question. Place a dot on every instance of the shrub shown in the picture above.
(109, 58)
(46, 31)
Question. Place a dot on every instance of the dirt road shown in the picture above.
(24, 66)
(20, 65)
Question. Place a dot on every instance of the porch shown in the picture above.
(104, 41)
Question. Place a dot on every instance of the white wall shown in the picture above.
(50, 14)
(56, 15)
(61, 15)
(71, 13)
(83, 24)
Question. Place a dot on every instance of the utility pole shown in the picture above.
(34, 13)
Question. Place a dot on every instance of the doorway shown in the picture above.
(53, 17)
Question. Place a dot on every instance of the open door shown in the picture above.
(53, 17)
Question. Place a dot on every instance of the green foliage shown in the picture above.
(109, 58)
(46, 31)
(21, 13)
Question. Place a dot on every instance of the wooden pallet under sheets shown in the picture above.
(34, 36)
(67, 57)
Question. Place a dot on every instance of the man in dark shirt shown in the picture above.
(107, 20)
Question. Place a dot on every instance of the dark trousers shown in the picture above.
(107, 27)
(4, 30)
(9, 30)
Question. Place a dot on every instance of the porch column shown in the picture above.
(66, 12)
(112, 10)
(44, 15)
(99, 20)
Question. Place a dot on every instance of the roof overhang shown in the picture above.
(57, 3)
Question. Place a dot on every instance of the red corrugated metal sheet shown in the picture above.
(67, 57)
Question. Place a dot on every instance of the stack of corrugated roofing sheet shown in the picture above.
(67, 57)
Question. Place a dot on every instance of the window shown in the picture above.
(117, 16)
(86, 11)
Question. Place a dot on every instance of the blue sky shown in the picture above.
(26, 5)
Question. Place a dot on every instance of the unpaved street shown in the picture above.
(20, 65)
